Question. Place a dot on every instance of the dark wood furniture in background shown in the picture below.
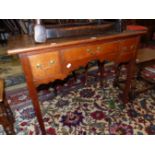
(149, 23)
(3, 37)
(77, 29)
(6, 116)
(56, 59)
(145, 58)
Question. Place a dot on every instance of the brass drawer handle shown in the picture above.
(39, 66)
(52, 62)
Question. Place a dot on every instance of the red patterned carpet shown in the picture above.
(89, 110)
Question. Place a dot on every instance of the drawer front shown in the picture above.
(90, 51)
(107, 47)
(127, 49)
(79, 53)
(128, 45)
(80, 56)
(45, 65)
(107, 51)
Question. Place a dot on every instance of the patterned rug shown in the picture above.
(77, 109)
(85, 110)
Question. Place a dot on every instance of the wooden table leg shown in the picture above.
(130, 74)
(34, 97)
(101, 66)
(32, 91)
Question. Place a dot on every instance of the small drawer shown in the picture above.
(45, 65)
(128, 45)
(127, 49)
(106, 48)
(126, 56)
(79, 53)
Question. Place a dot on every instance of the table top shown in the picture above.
(25, 43)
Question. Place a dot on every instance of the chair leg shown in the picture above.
(7, 119)
(8, 111)
(9, 128)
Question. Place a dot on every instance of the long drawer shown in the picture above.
(80, 55)
(82, 52)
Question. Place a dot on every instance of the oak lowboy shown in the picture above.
(58, 63)
(56, 59)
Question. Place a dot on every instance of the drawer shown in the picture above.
(126, 56)
(107, 48)
(128, 45)
(78, 53)
(127, 49)
(87, 51)
(45, 65)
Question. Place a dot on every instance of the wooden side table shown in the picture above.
(56, 59)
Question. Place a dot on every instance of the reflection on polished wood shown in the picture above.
(57, 58)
